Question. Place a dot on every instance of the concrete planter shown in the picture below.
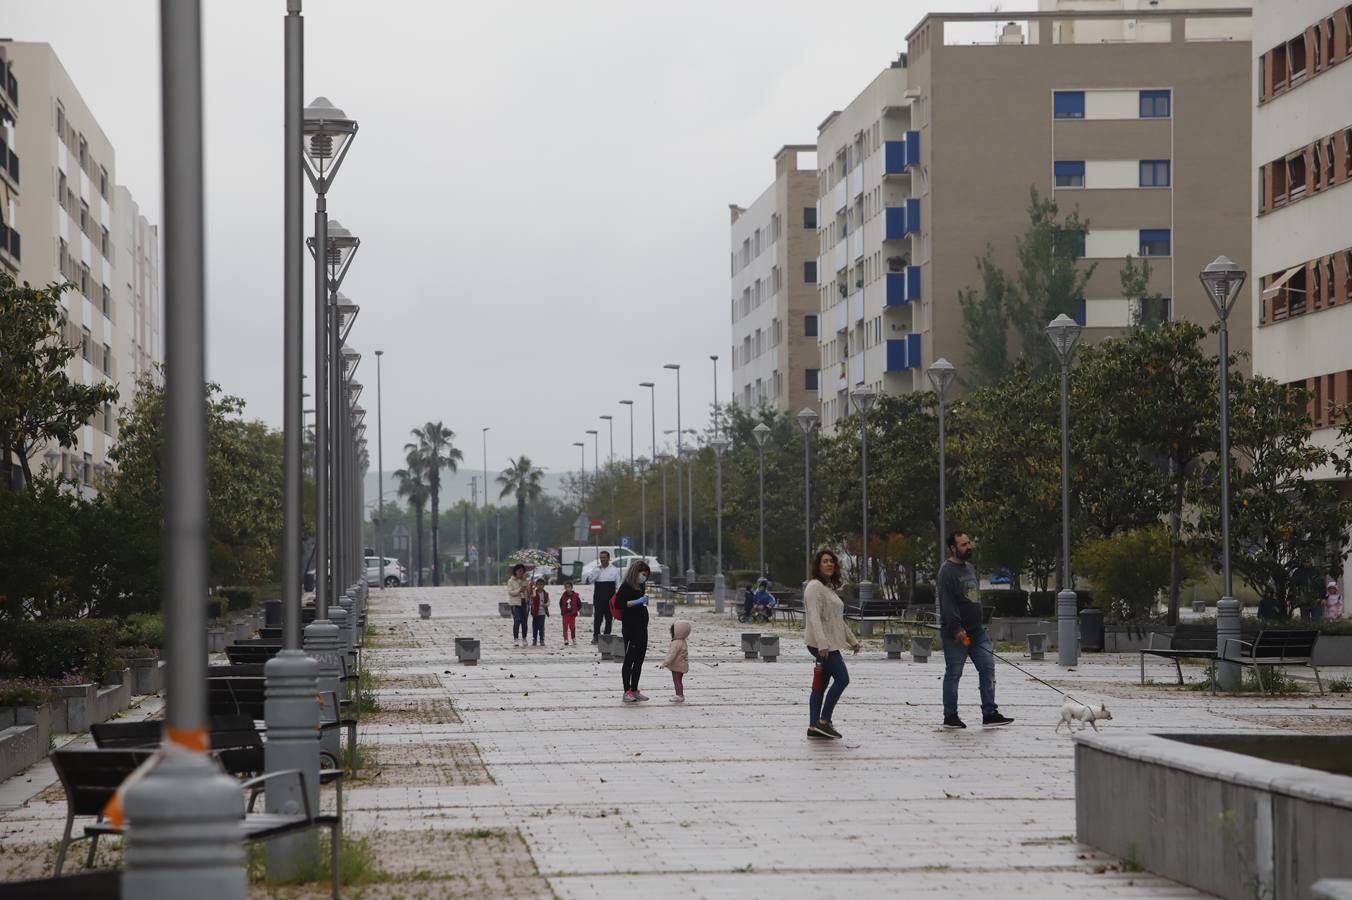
(25, 732)
(769, 647)
(666, 608)
(505, 610)
(79, 705)
(894, 645)
(1016, 629)
(243, 630)
(586, 611)
(1199, 607)
(424, 610)
(921, 645)
(616, 642)
(1219, 812)
(1333, 650)
(467, 651)
(1037, 645)
(147, 676)
(751, 644)
(215, 640)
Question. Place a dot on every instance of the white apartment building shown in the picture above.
(79, 227)
(774, 289)
(10, 238)
(1302, 180)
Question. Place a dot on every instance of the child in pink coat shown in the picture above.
(678, 657)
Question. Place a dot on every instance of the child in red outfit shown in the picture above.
(570, 604)
(539, 609)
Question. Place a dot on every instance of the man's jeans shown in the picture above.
(955, 655)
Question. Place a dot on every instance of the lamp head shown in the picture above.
(761, 433)
(606, 418)
(675, 366)
(720, 445)
(646, 384)
(626, 403)
(1223, 279)
(641, 463)
(592, 431)
(328, 134)
(1064, 333)
(688, 453)
(807, 420)
(863, 400)
(941, 374)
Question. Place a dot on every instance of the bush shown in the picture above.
(1007, 603)
(54, 648)
(141, 630)
(25, 692)
(1131, 568)
(237, 598)
(214, 609)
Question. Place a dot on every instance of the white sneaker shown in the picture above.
(679, 698)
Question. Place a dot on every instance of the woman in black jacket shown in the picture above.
(631, 604)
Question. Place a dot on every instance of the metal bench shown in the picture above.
(245, 696)
(91, 777)
(1189, 641)
(1273, 648)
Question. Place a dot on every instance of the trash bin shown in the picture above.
(272, 612)
(1091, 629)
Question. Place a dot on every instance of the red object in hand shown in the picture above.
(818, 679)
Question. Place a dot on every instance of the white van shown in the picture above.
(587, 555)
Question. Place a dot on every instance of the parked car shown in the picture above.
(622, 559)
(394, 572)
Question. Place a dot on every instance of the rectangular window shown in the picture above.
(61, 189)
(84, 344)
(105, 245)
(809, 326)
(107, 301)
(1068, 174)
(810, 379)
(1155, 173)
(84, 217)
(1295, 58)
(84, 279)
(1156, 242)
(1155, 104)
(1069, 243)
(84, 152)
(61, 121)
(810, 272)
(1295, 175)
(1068, 104)
(810, 217)
(103, 182)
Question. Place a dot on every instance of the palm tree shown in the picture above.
(414, 489)
(436, 452)
(522, 479)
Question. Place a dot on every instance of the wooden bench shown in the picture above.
(1189, 641)
(1273, 647)
(91, 777)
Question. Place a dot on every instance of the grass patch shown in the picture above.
(367, 701)
(1340, 685)
(354, 758)
(1275, 681)
(356, 863)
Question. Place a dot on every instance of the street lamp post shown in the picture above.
(652, 406)
(680, 520)
(863, 400)
(1064, 333)
(661, 459)
(380, 476)
(688, 454)
(483, 547)
(183, 837)
(610, 420)
(641, 470)
(582, 460)
(762, 434)
(807, 422)
(1223, 280)
(941, 374)
(713, 357)
(720, 446)
(630, 404)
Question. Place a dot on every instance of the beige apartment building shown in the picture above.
(1135, 117)
(78, 226)
(1301, 174)
(774, 289)
(10, 236)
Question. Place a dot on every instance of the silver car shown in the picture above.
(394, 572)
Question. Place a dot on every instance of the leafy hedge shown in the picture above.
(57, 647)
(141, 630)
(237, 598)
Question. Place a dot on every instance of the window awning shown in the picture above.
(1286, 276)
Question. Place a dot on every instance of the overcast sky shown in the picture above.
(541, 188)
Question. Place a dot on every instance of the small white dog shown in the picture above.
(1087, 715)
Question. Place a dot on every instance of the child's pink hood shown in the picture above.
(680, 629)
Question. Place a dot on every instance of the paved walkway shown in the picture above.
(526, 776)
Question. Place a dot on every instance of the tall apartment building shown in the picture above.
(774, 288)
(80, 228)
(1134, 117)
(10, 243)
(1302, 193)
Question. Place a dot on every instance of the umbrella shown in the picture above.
(533, 558)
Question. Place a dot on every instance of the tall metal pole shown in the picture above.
(760, 453)
(1228, 610)
(690, 513)
(866, 576)
(1067, 636)
(807, 505)
(291, 677)
(337, 414)
(323, 395)
(943, 500)
(630, 404)
(666, 545)
(717, 432)
(720, 447)
(183, 817)
(483, 550)
(380, 476)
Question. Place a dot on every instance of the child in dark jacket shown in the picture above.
(539, 610)
(570, 604)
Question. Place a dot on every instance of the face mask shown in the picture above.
(642, 579)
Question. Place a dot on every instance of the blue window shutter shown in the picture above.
(1079, 312)
(1068, 104)
(913, 350)
(1067, 167)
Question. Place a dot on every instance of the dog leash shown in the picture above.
(1020, 668)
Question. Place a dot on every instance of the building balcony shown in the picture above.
(839, 196)
(11, 85)
(857, 368)
(856, 180)
(9, 243)
(856, 239)
(902, 221)
(842, 380)
(841, 313)
(840, 256)
(903, 287)
(856, 304)
(899, 156)
(903, 354)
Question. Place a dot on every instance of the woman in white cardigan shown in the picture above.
(827, 635)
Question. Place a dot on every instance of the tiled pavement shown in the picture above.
(579, 795)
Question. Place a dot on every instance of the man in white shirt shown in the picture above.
(604, 578)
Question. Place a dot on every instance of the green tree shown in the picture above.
(522, 480)
(1130, 569)
(433, 444)
(985, 319)
(413, 488)
(1050, 281)
(1285, 513)
(39, 404)
(1151, 309)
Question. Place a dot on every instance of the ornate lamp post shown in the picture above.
(720, 446)
(1223, 280)
(1064, 333)
(941, 374)
(762, 434)
(688, 453)
(863, 400)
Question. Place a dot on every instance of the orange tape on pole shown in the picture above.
(194, 739)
